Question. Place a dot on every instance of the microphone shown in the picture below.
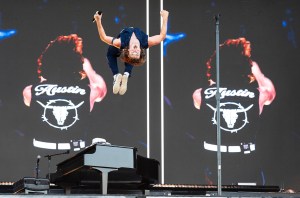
(98, 12)
(217, 17)
(38, 159)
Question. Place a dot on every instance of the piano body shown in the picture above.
(110, 165)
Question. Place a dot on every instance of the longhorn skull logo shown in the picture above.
(60, 112)
(231, 115)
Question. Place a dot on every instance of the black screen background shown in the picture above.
(121, 120)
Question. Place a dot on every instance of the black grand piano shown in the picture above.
(106, 167)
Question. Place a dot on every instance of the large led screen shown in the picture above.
(57, 88)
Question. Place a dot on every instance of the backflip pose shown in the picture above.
(130, 45)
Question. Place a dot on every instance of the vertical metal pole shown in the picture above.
(148, 83)
(162, 109)
(218, 106)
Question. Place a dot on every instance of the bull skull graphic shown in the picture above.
(60, 112)
(231, 115)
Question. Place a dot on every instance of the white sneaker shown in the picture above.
(117, 83)
(123, 88)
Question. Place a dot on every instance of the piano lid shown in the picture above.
(103, 155)
(109, 156)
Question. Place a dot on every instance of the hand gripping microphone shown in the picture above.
(98, 12)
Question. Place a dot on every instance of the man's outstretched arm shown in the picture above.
(105, 38)
(156, 39)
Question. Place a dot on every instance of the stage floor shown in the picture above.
(157, 191)
(153, 194)
(212, 194)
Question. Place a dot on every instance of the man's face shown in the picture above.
(134, 49)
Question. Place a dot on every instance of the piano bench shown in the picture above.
(30, 185)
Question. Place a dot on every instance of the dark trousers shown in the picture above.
(112, 54)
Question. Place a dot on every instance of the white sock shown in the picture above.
(126, 73)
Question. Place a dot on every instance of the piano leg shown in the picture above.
(104, 172)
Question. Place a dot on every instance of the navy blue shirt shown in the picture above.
(126, 34)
